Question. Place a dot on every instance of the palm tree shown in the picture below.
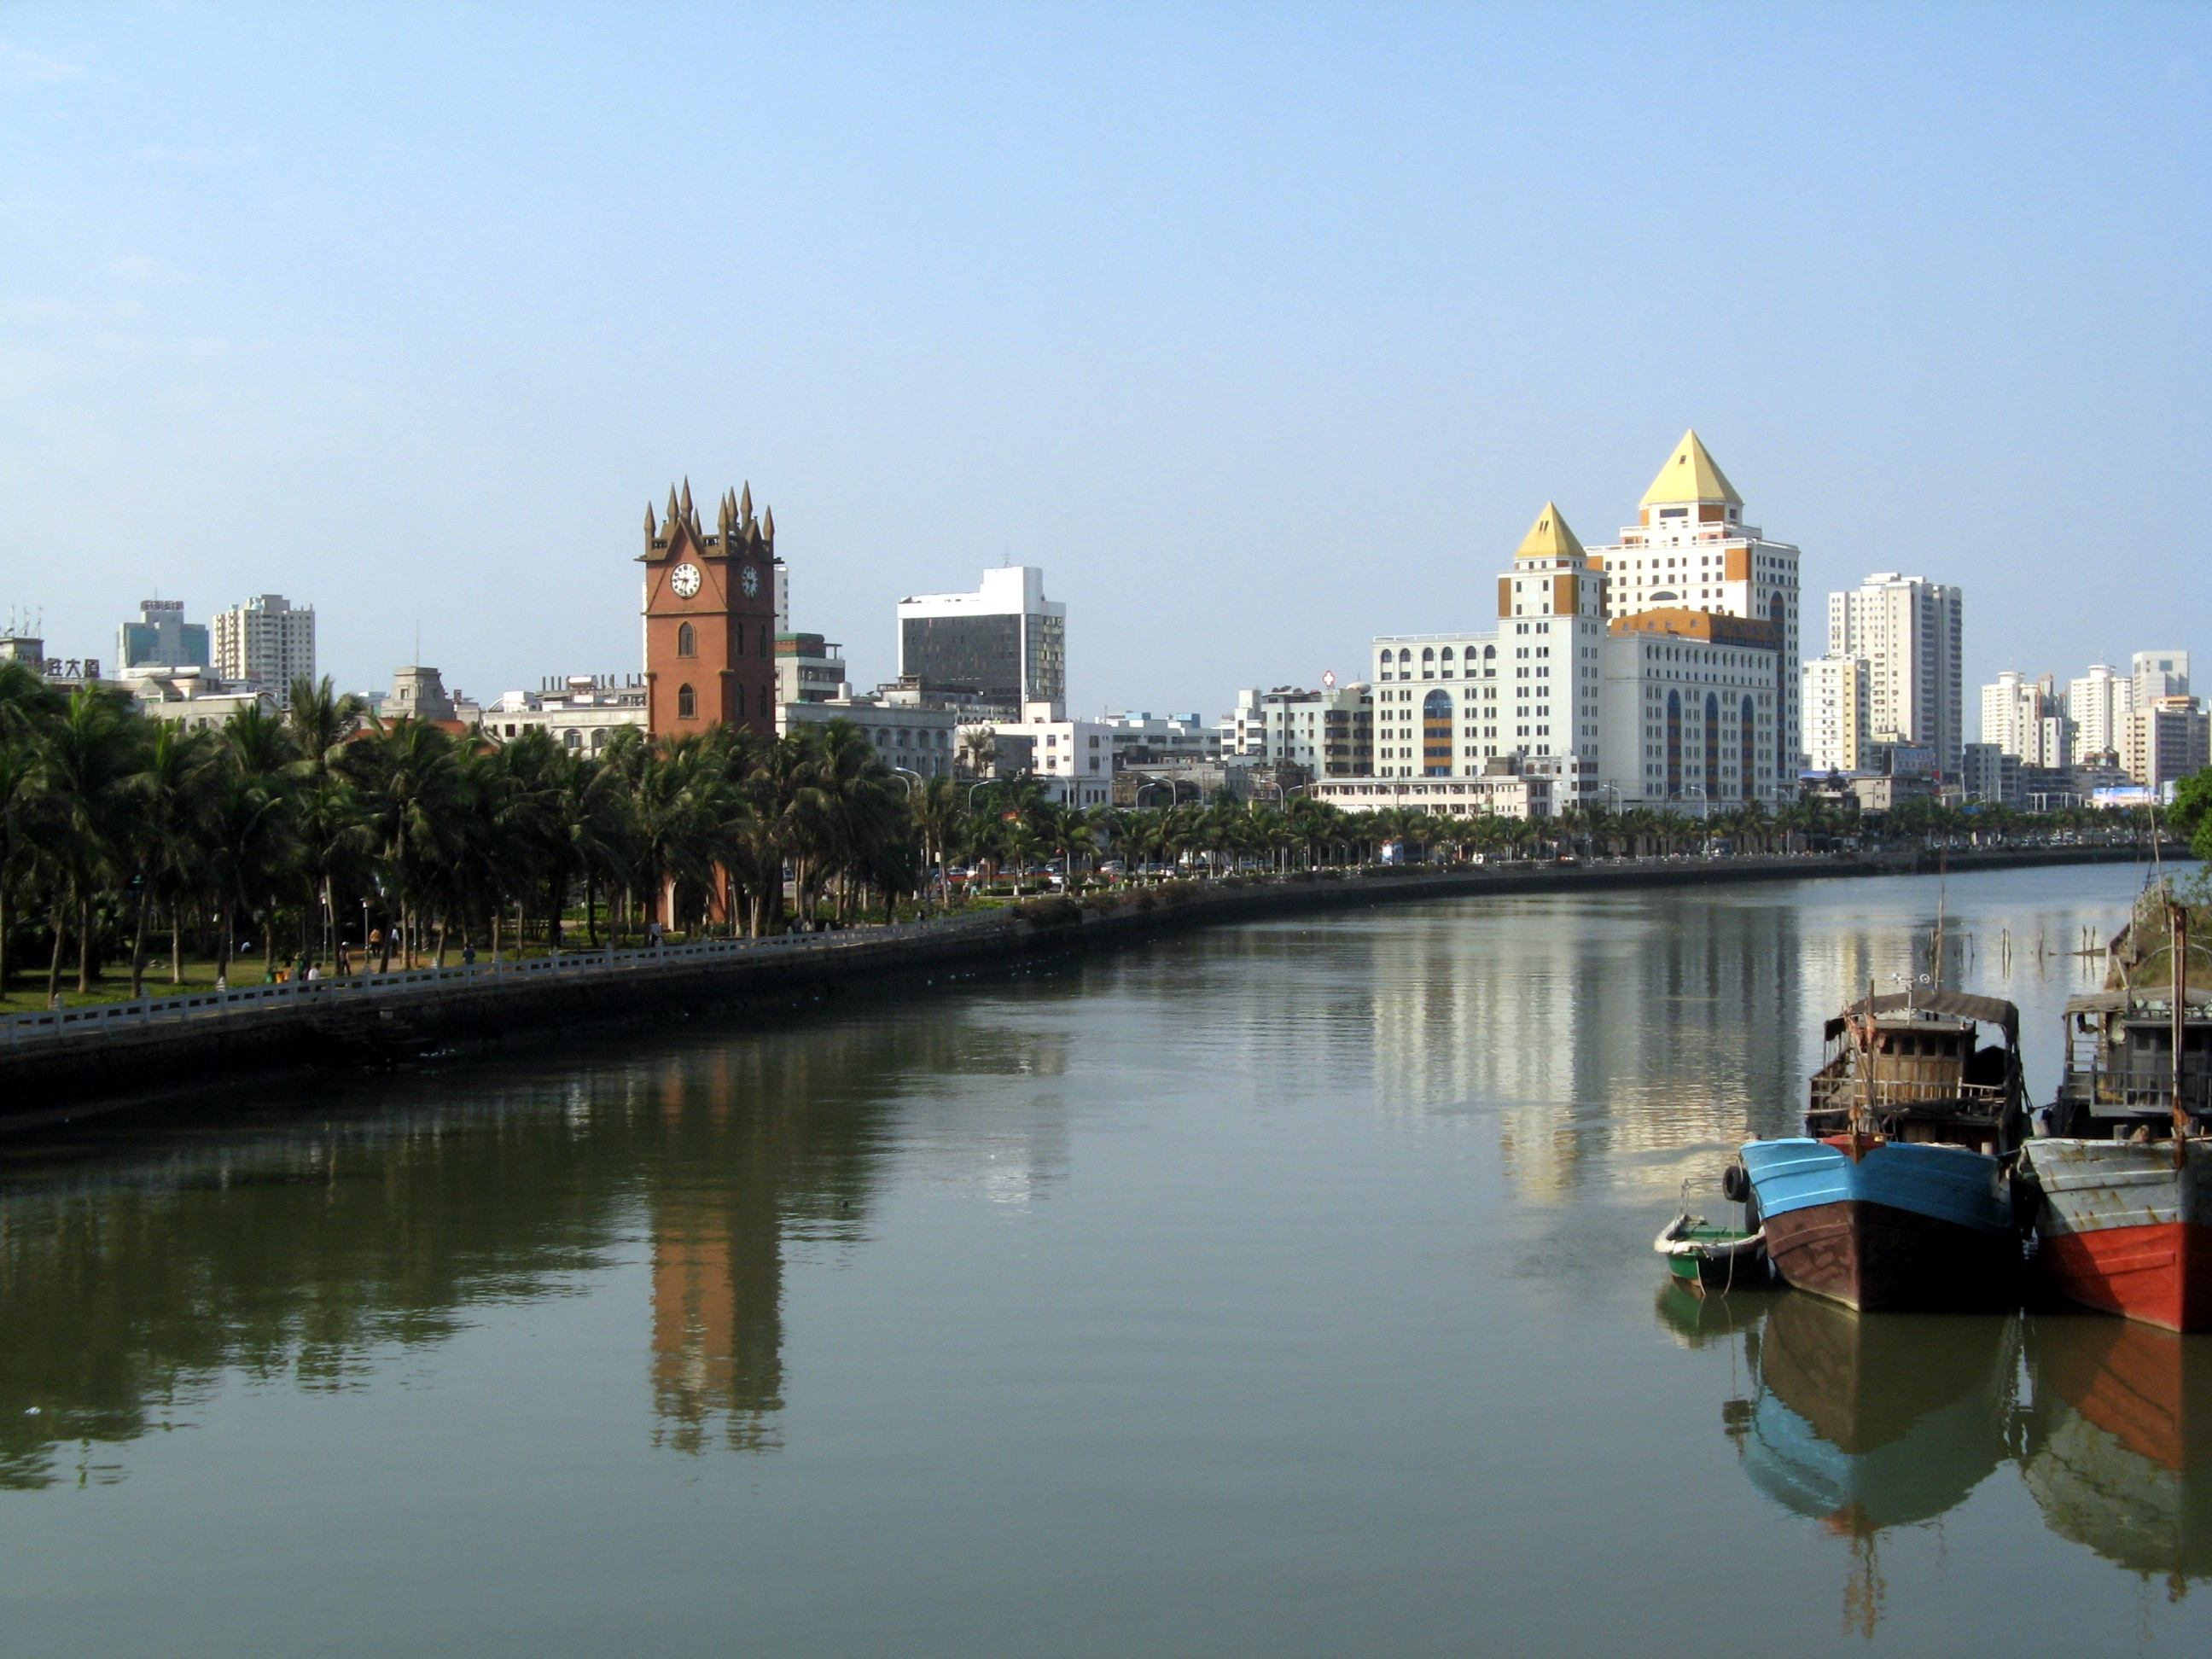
(320, 721)
(413, 794)
(978, 753)
(83, 784)
(167, 794)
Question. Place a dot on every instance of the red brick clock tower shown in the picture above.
(709, 619)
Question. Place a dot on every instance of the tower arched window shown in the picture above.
(741, 700)
(687, 641)
(1437, 734)
(687, 704)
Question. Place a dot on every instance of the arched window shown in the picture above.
(687, 641)
(572, 739)
(1404, 655)
(1748, 753)
(1489, 653)
(687, 704)
(1437, 734)
(1673, 745)
(1713, 745)
(741, 697)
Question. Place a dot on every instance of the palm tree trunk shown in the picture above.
(84, 946)
(138, 942)
(54, 967)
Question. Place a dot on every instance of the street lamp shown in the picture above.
(907, 777)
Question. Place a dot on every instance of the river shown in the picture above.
(1284, 1287)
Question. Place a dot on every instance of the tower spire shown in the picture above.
(768, 525)
(1691, 474)
(746, 504)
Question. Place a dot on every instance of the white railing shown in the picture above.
(141, 1013)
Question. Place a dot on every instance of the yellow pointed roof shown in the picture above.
(1549, 538)
(1691, 475)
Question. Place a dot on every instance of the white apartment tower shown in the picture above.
(1691, 549)
(2022, 717)
(1909, 631)
(2097, 703)
(1835, 706)
(266, 642)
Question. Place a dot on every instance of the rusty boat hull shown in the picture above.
(2122, 1229)
(1887, 1225)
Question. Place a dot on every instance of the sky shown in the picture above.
(1263, 330)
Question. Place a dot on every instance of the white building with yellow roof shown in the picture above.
(1690, 550)
(1659, 670)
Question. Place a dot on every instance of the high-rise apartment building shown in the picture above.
(1833, 692)
(1910, 631)
(2024, 719)
(1005, 644)
(2097, 703)
(1691, 549)
(266, 642)
(161, 638)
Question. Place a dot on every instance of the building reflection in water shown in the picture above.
(1648, 1029)
(1865, 1424)
(132, 1282)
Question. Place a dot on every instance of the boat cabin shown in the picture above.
(2119, 1064)
(1913, 1066)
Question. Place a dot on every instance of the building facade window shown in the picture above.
(687, 704)
(687, 641)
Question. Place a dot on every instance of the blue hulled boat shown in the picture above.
(1899, 1195)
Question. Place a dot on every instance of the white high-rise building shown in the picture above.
(266, 642)
(2024, 719)
(2097, 703)
(1691, 549)
(1005, 643)
(1910, 631)
(2160, 674)
(1834, 691)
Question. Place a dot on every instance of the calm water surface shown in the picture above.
(1283, 1288)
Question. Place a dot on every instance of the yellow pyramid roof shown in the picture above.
(1691, 475)
(1549, 538)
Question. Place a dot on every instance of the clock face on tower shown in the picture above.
(684, 579)
(750, 581)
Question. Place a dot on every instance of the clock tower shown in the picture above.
(709, 618)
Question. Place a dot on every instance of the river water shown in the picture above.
(1280, 1288)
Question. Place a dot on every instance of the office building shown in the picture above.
(2167, 739)
(2160, 674)
(1003, 645)
(266, 642)
(161, 638)
(911, 740)
(1910, 631)
(809, 668)
(1989, 775)
(579, 712)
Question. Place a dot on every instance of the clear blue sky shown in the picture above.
(1263, 331)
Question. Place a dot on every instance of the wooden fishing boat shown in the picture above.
(1712, 1260)
(1897, 1195)
(2124, 1182)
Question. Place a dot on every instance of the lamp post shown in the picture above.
(1705, 816)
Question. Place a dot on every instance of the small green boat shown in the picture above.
(1708, 1260)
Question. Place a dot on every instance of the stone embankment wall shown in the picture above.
(279, 1044)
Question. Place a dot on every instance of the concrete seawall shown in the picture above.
(66, 1074)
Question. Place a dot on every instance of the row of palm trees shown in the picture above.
(121, 833)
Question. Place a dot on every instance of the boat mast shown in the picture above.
(2176, 921)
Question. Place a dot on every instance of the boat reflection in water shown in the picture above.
(2120, 1411)
(1868, 1422)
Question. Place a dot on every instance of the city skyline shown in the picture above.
(1194, 355)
